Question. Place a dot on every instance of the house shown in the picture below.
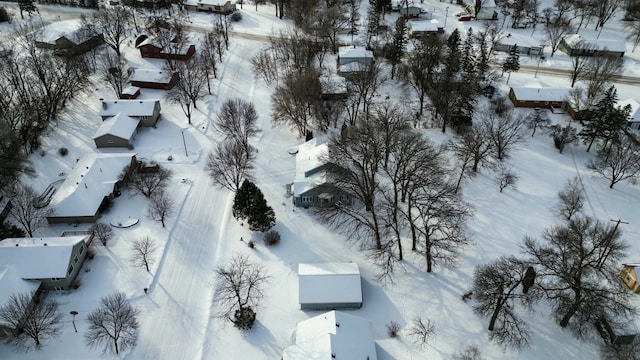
(116, 131)
(68, 37)
(410, 11)
(130, 92)
(212, 6)
(48, 263)
(634, 116)
(487, 10)
(333, 335)
(354, 59)
(310, 187)
(630, 277)
(152, 48)
(576, 45)
(333, 87)
(545, 98)
(90, 186)
(148, 111)
(525, 45)
(417, 29)
(329, 286)
(154, 79)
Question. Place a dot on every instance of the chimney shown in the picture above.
(85, 186)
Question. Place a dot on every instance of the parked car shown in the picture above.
(466, 18)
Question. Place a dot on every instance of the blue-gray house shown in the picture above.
(310, 187)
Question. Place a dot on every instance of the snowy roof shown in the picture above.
(540, 94)
(576, 41)
(353, 67)
(310, 156)
(425, 26)
(354, 52)
(38, 258)
(92, 178)
(206, 2)
(152, 76)
(634, 116)
(134, 108)
(334, 334)
(520, 40)
(121, 125)
(333, 85)
(329, 283)
(130, 90)
(12, 283)
(70, 29)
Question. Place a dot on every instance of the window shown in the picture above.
(110, 141)
(59, 288)
(70, 270)
(55, 279)
(306, 199)
(75, 260)
(81, 250)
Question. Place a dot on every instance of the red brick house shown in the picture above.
(545, 98)
(154, 79)
(149, 48)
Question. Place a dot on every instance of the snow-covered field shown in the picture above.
(177, 319)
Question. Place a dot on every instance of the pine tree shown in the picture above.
(261, 215)
(243, 200)
(468, 62)
(396, 48)
(512, 63)
(605, 121)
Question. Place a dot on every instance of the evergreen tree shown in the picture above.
(396, 48)
(605, 121)
(28, 6)
(243, 200)
(261, 215)
(468, 62)
(512, 63)
(8, 230)
(373, 22)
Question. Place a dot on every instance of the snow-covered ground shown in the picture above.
(177, 319)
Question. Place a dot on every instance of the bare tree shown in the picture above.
(102, 232)
(571, 199)
(579, 65)
(619, 162)
(28, 321)
(113, 325)
(605, 9)
(471, 352)
(210, 43)
(578, 270)
(505, 132)
(239, 290)
(293, 101)
(162, 206)
(633, 33)
(362, 88)
(25, 212)
(563, 136)
(229, 164)
(537, 119)
(147, 182)
(116, 72)
(555, 30)
(237, 120)
(496, 291)
(506, 177)
(475, 146)
(264, 65)
(193, 77)
(142, 252)
(113, 24)
(422, 331)
(599, 72)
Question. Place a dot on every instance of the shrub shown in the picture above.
(271, 238)
(102, 232)
(251, 244)
(63, 151)
(236, 16)
(393, 329)
(90, 254)
(244, 318)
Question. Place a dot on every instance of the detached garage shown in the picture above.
(329, 286)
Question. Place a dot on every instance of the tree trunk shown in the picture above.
(146, 264)
(427, 247)
(565, 319)
(593, 138)
(494, 316)
(115, 342)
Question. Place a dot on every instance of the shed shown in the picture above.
(328, 286)
(333, 335)
(410, 11)
(130, 92)
(629, 276)
(117, 131)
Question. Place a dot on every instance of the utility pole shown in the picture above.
(618, 222)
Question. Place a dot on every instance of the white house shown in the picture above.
(353, 59)
(333, 335)
(117, 131)
(327, 286)
(148, 111)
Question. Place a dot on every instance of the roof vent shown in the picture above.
(337, 324)
(45, 244)
(17, 244)
(333, 355)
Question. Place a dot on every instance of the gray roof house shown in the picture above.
(333, 335)
(89, 186)
(354, 59)
(67, 37)
(148, 111)
(576, 45)
(329, 286)
(310, 187)
(48, 263)
(117, 131)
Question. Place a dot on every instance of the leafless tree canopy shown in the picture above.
(618, 162)
(193, 77)
(571, 199)
(293, 101)
(599, 71)
(239, 284)
(113, 23)
(505, 132)
(30, 321)
(25, 212)
(149, 182)
(161, 207)
(115, 71)
(237, 120)
(113, 326)
(229, 164)
(422, 331)
(142, 253)
(102, 232)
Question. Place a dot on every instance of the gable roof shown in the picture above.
(121, 126)
(92, 178)
(333, 335)
(11, 283)
(133, 108)
(576, 41)
(634, 116)
(540, 94)
(72, 30)
(39, 258)
(309, 157)
(152, 76)
(329, 283)
(354, 52)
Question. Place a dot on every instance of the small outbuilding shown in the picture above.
(329, 286)
(418, 29)
(629, 276)
(154, 79)
(117, 131)
(130, 92)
